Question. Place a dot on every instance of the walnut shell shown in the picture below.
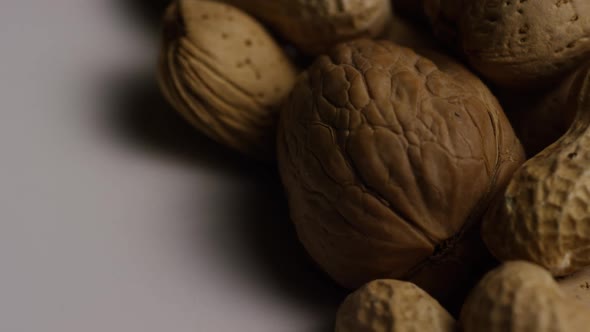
(314, 26)
(392, 306)
(225, 74)
(387, 159)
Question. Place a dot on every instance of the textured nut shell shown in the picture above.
(224, 73)
(520, 42)
(385, 156)
(392, 306)
(544, 215)
(314, 26)
(521, 297)
(576, 287)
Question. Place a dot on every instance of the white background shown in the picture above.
(115, 215)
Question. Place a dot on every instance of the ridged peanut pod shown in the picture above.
(225, 74)
(544, 214)
(522, 297)
(388, 305)
(314, 26)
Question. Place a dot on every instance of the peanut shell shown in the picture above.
(392, 306)
(521, 297)
(314, 26)
(544, 214)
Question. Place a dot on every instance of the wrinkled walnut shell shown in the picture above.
(388, 159)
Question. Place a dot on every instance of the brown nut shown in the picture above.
(521, 297)
(314, 26)
(388, 159)
(517, 42)
(577, 286)
(225, 74)
(543, 216)
(392, 306)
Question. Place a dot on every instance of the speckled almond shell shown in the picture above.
(392, 306)
(516, 43)
(521, 297)
(314, 26)
(225, 74)
(544, 215)
(387, 159)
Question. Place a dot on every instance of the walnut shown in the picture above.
(389, 160)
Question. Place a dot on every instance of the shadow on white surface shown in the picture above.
(256, 237)
(149, 13)
(116, 215)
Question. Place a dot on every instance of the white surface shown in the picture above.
(114, 215)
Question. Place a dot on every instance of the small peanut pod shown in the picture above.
(314, 26)
(392, 306)
(225, 74)
(521, 297)
(544, 214)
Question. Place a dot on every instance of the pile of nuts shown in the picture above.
(435, 154)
